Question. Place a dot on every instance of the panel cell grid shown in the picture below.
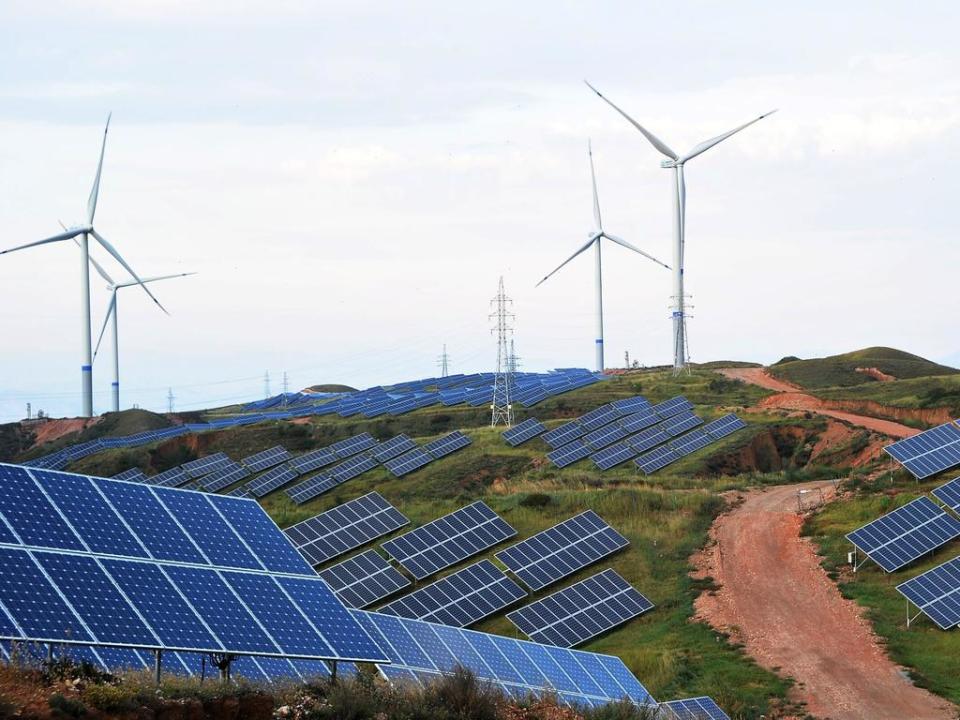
(691, 442)
(352, 445)
(562, 434)
(721, 427)
(673, 406)
(408, 462)
(606, 435)
(364, 579)
(905, 534)
(930, 452)
(133, 474)
(562, 550)
(312, 487)
(612, 456)
(582, 611)
(598, 417)
(205, 465)
(647, 439)
(936, 593)
(392, 448)
(569, 453)
(639, 421)
(224, 477)
(527, 430)
(657, 459)
(949, 494)
(174, 477)
(459, 599)
(631, 405)
(313, 460)
(698, 708)
(268, 458)
(449, 540)
(447, 444)
(349, 469)
(271, 480)
(680, 423)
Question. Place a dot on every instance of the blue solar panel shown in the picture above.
(949, 494)
(673, 406)
(562, 434)
(614, 455)
(268, 458)
(647, 439)
(174, 477)
(271, 480)
(205, 465)
(313, 460)
(408, 462)
(569, 453)
(726, 425)
(392, 448)
(528, 429)
(657, 459)
(606, 435)
(461, 598)
(680, 423)
(582, 611)
(364, 579)
(134, 474)
(598, 417)
(449, 539)
(631, 405)
(562, 549)
(312, 487)
(354, 467)
(447, 444)
(929, 452)
(353, 445)
(936, 593)
(691, 442)
(905, 534)
(639, 421)
(698, 708)
(30, 514)
(224, 476)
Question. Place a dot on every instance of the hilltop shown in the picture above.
(874, 364)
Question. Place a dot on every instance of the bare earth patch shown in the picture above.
(777, 600)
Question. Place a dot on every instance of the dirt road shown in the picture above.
(777, 600)
(790, 397)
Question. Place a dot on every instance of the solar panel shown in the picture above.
(271, 480)
(266, 459)
(204, 465)
(647, 439)
(392, 448)
(699, 708)
(905, 534)
(949, 494)
(420, 651)
(598, 417)
(408, 462)
(528, 429)
(364, 579)
(936, 593)
(562, 549)
(606, 435)
(569, 453)
(631, 405)
(459, 599)
(313, 460)
(721, 427)
(345, 527)
(680, 423)
(312, 487)
(448, 540)
(352, 445)
(639, 420)
(224, 477)
(133, 474)
(92, 582)
(614, 455)
(447, 444)
(657, 459)
(691, 442)
(240, 492)
(582, 611)
(673, 406)
(562, 434)
(930, 452)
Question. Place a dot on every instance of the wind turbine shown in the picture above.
(113, 287)
(83, 232)
(676, 162)
(596, 236)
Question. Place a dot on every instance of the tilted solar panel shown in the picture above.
(459, 599)
(353, 445)
(647, 439)
(606, 435)
(133, 474)
(657, 459)
(266, 459)
(628, 406)
(392, 448)
(224, 477)
(562, 434)
(562, 549)
(726, 425)
(449, 539)
(582, 611)
(174, 477)
(345, 527)
(312, 487)
(528, 429)
(408, 462)
(930, 452)
(352, 467)
(905, 534)
(691, 442)
(698, 708)
(364, 579)
(680, 423)
(271, 480)
(569, 453)
(447, 444)
(598, 417)
(949, 494)
(639, 420)
(204, 465)
(313, 460)
(673, 406)
(613, 455)
(936, 593)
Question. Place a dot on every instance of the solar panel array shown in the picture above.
(421, 652)
(442, 447)
(949, 494)
(448, 540)
(260, 461)
(582, 611)
(174, 477)
(313, 460)
(461, 598)
(353, 445)
(364, 579)
(936, 593)
(134, 474)
(698, 708)
(226, 476)
(408, 462)
(345, 527)
(312, 487)
(92, 561)
(930, 452)
(561, 550)
(392, 448)
(905, 534)
(527, 430)
(272, 479)
(205, 465)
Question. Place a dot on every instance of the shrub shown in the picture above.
(463, 696)
(69, 707)
(536, 500)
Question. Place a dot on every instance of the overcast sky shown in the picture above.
(351, 179)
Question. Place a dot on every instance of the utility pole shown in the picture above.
(444, 362)
(266, 384)
(170, 399)
(513, 361)
(286, 388)
(502, 407)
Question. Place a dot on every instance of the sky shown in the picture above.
(350, 180)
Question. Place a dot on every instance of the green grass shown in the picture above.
(840, 370)
(914, 393)
(932, 655)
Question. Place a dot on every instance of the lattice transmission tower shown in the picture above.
(502, 405)
(444, 362)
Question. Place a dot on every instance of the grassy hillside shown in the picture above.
(919, 393)
(840, 370)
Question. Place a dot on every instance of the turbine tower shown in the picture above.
(675, 163)
(83, 232)
(596, 236)
(113, 287)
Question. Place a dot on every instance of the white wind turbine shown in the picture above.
(83, 232)
(111, 315)
(676, 162)
(596, 236)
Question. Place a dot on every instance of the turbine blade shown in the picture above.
(56, 238)
(654, 140)
(111, 308)
(624, 243)
(707, 144)
(144, 281)
(596, 198)
(96, 266)
(95, 190)
(110, 249)
(591, 241)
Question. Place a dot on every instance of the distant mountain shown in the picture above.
(872, 364)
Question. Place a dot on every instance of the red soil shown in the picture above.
(876, 374)
(51, 430)
(758, 376)
(777, 600)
